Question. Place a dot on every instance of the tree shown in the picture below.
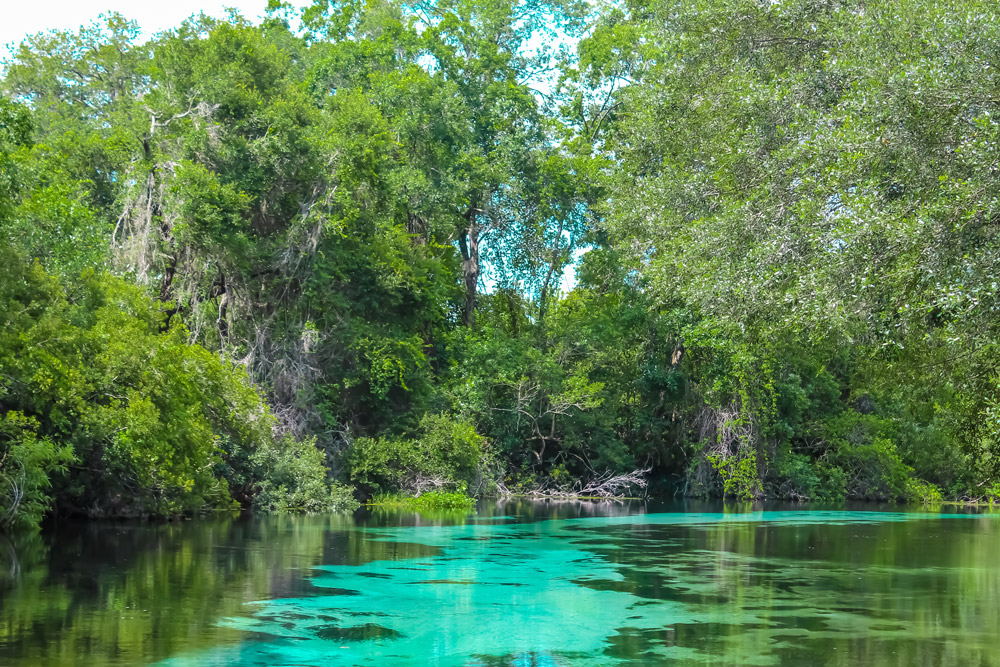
(820, 172)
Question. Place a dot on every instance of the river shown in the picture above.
(515, 584)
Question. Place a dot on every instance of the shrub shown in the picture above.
(739, 475)
(919, 491)
(342, 497)
(795, 476)
(157, 425)
(26, 462)
(293, 477)
(445, 453)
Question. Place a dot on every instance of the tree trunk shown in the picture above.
(166, 291)
(514, 310)
(223, 321)
(543, 297)
(468, 242)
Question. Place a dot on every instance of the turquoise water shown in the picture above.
(541, 585)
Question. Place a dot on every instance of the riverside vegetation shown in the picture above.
(477, 247)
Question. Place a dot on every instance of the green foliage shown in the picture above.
(921, 492)
(432, 501)
(864, 447)
(782, 232)
(27, 463)
(795, 181)
(16, 129)
(55, 225)
(740, 478)
(800, 477)
(445, 451)
(209, 213)
(293, 477)
(991, 495)
(147, 418)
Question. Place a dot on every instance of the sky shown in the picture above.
(19, 18)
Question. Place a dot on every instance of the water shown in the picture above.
(516, 585)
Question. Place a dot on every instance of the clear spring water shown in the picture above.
(521, 584)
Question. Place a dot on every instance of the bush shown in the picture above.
(919, 491)
(863, 461)
(795, 476)
(991, 494)
(157, 425)
(863, 446)
(342, 497)
(26, 462)
(447, 452)
(293, 476)
(739, 475)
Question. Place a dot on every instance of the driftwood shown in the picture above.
(607, 485)
(417, 484)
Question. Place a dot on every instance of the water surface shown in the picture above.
(519, 584)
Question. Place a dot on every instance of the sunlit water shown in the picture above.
(521, 584)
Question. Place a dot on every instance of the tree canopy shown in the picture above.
(248, 263)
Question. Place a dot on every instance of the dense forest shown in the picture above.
(726, 247)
